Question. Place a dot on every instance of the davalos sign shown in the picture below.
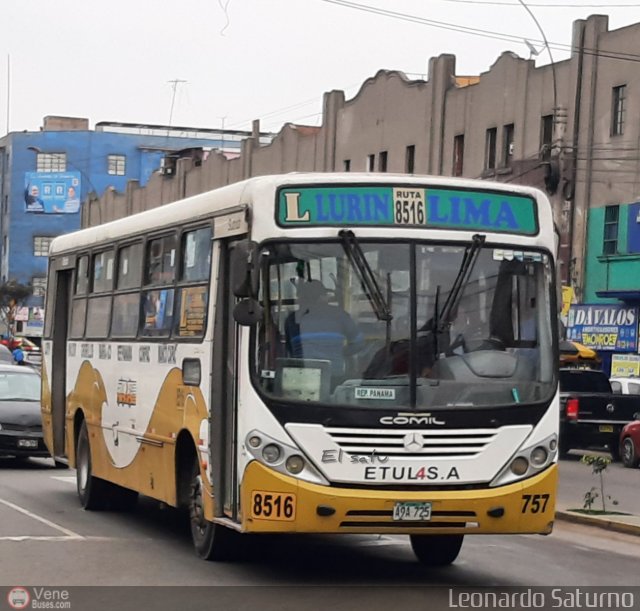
(604, 327)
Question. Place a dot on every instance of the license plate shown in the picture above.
(606, 428)
(27, 443)
(411, 512)
(279, 506)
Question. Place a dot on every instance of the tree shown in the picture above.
(12, 295)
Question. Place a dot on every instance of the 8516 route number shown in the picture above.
(273, 506)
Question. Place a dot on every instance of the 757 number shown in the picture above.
(534, 503)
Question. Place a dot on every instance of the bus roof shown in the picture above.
(247, 191)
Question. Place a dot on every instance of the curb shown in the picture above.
(599, 522)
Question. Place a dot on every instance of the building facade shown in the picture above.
(45, 176)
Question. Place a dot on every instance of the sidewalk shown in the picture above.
(628, 524)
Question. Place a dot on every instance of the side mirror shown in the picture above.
(245, 269)
(248, 312)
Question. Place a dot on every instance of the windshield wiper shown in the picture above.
(365, 274)
(444, 318)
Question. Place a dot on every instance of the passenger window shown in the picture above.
(157, 307)
(98, 317)
(82, 276)
(196, 255)
(78, 315)
(161, 260)
(103, 271)
(125, 315)
(129, 267)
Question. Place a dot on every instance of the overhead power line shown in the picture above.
(477, 31)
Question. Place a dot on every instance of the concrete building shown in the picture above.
(45, 175)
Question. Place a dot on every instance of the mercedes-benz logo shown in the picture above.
(610, 407)
(412, 442)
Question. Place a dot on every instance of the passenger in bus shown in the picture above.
(318, 330)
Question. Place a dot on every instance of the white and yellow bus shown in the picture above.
(181, 363)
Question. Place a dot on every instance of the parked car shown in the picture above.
(625, 386)
(591, 415)
(630, 444)
(20, 418)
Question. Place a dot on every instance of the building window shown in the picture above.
(39, 285)
(618, 110)
(491, 138)
(382, 161)
(458, 155)
(610, 242)
(546, 137)
(347, 165)
(41, 245)
(51, 162)
(410, 159)
(507, 145)
(371, 163)
(116, 165)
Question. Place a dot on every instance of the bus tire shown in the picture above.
(436, 550)
(92, 491)
(211, 541)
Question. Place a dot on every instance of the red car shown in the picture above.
(630, 444)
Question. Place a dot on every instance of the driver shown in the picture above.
(317, 330)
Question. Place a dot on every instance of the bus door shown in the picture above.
(59, 300)
(224, 391)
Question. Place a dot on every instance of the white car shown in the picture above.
(625, 386)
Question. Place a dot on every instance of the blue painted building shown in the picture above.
(46, 175)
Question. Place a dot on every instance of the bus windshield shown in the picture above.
(405, 325)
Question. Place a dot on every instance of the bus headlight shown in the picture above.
(539, 456)
(255, 441)
(271, 453)
(295, 464)
(519, 466)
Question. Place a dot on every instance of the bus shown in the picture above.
(182, 360)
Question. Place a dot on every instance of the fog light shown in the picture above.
(553, 444)
(519, 466)
(255, 441)
(539, 456)
(271, 453)
(295, 464)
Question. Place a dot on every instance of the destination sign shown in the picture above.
(407, 207)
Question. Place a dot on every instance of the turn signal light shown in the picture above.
(572, 409)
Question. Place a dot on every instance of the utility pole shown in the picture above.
(174, 83)
(8, 89)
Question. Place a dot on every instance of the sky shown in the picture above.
(242, 60)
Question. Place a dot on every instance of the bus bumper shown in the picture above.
(523, 507)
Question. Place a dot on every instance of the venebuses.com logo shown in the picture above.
(18, 598)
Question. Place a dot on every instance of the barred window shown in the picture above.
(610, 242)
(116, 165)
(41, 245)
(51, 162)
(618, 110)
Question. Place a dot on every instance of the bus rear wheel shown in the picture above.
(92, 491)
(211, 541)
(436, 550)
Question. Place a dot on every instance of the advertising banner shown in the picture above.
(625, 365)
(52, 192)
(604, 327)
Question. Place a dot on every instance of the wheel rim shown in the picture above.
(196, 509)
(627, 450)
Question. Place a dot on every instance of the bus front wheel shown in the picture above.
(436, 550)
(211, 541)
(93, 492)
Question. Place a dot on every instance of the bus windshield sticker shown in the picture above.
(407, 207)
(388, 394)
